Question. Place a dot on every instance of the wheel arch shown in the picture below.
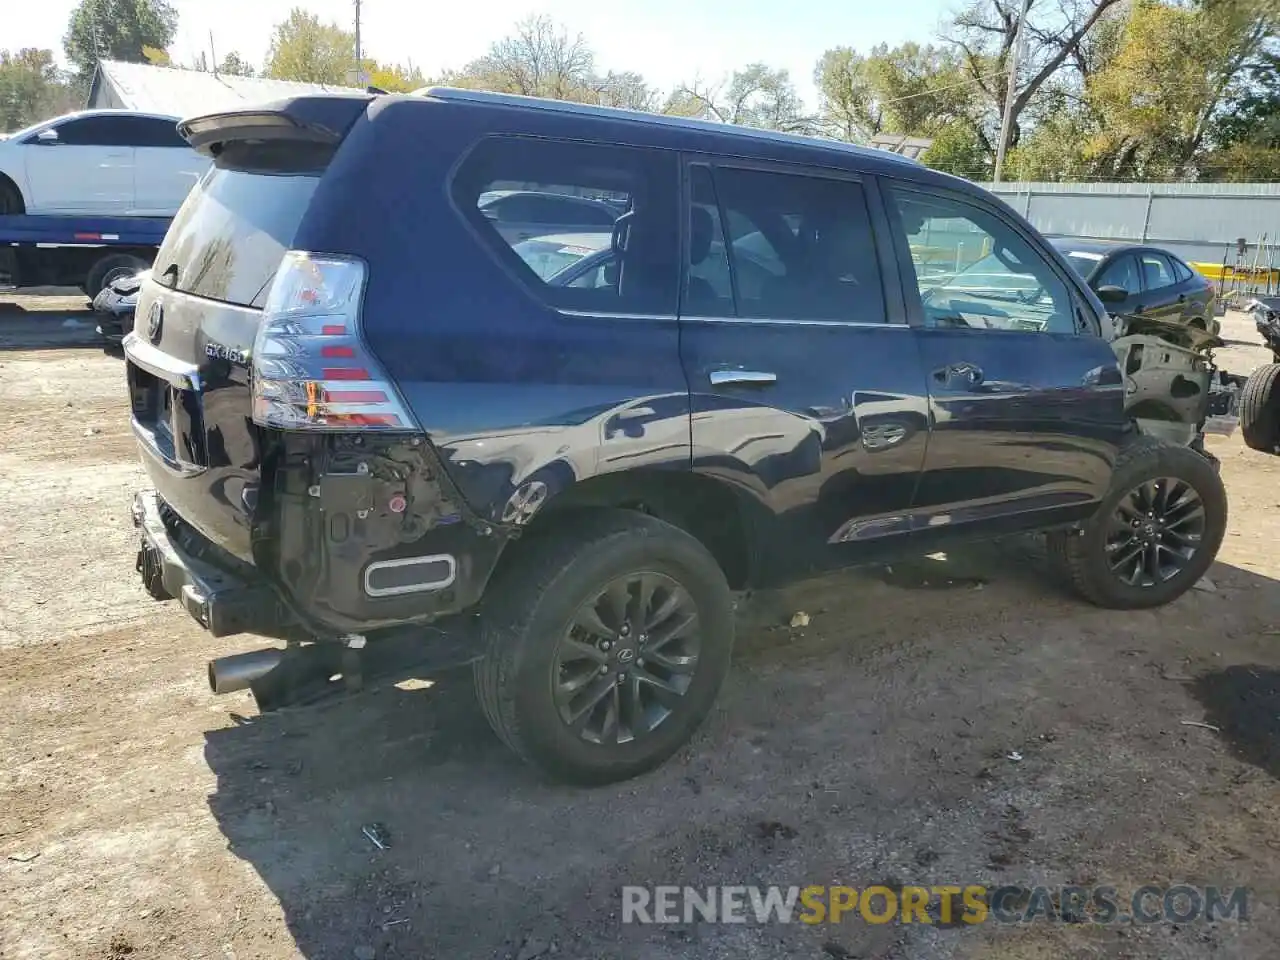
(720, 517)
(9, 183)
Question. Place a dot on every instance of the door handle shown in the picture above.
(1182, 298)
(742, 378)
(968, 374)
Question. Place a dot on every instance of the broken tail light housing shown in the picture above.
(311, 369)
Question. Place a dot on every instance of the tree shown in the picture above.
(117, 30)
(303, 48)
(236, 66)
(394, 78)
(755, 96)
(1174, 76)
(537, 59)
(983, 36)
(32, 88)
(849, 97)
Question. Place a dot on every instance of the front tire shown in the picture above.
(606, 644)
(1154, 535)
(1260, 409)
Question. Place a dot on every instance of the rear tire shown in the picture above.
(1094, 559)
(540, 667)
(110, 269)
(1260, 409)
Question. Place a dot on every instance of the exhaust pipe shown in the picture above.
(236, 672)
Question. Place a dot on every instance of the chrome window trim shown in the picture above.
(669, 318)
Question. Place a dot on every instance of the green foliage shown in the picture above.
(117, 30)
(236, 66)
(32, 88)
(957, 149)
(302, 48)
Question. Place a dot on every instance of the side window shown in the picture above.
(151, 132)
(975, 271)
(1121, 272)
(708, 288)
(94, 132)
(1181, 270)
(1156, 271)
(794, 247)
(544, 206)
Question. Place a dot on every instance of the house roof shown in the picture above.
(189, 93)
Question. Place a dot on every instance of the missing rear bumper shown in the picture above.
(219, 600)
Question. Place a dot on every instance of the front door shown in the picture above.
(805, 385)
(86, 169)
(1026, 400)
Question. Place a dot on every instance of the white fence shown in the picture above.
(1198, 221)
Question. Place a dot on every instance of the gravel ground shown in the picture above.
(141, 817)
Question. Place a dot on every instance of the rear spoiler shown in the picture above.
(319, 120)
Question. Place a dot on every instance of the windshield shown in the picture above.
(549, 256)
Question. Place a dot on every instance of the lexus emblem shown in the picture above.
(155, 317)
(626, 655)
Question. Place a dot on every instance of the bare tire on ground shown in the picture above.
(1260, 409)
(1154, 535)
(606, 643)
(110, 269)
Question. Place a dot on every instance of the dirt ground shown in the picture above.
(141, 817)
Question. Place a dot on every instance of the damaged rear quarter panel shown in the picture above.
(342, 502)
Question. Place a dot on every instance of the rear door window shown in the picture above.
(150, 132)
(540, 205)
(791, 246)
(1157, 273)
(229, 235)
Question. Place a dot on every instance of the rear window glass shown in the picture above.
(227, 239)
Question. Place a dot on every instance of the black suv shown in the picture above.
(370, 419)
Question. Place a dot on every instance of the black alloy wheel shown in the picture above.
(1156, 529)
(627, 659)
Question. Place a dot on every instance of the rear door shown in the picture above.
(87, 170)
(806, 388)
(1025, 397)
(165, 167)
(188, 366)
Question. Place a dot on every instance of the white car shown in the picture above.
(98, 163)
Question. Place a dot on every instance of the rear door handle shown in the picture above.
(743, 378)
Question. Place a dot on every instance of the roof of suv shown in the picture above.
(683, 123)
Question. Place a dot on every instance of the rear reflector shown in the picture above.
(308, 350)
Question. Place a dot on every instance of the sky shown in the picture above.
(668, 41)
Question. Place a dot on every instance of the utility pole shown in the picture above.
(1006, 121)
(359, 61)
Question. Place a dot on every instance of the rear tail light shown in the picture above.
(311, 370)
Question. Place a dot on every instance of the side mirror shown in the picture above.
(1112, 294)
(48, 135)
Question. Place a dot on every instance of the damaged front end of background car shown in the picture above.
(1173, 390)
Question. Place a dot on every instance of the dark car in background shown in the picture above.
(1143, 280)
